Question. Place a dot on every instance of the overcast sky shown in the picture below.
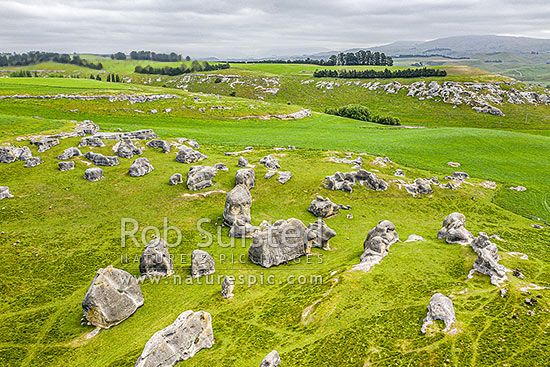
(236, 28)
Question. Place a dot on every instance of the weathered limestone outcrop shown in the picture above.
(179, 341)
(487, 261)
(419, 187)
(324, 208)
(272, 359)
(377, 245)
(126, 149)
(69, 153)
(284, 176)
(140, 167)
(66, 166)
(270, 162)
(227, 287)
(242, 229)
(113, 296)
(221, 167)
(33, 162)
(44, 143)
(200, 177)
(201, 264)
(189, 155)
(319, 235)
(160, 144)
(440, 308)
(344, 181)
(139, 135)
(243, 162)
(91, 141)
(237, 205)
(155, 260)
(101, 160)
(454, 230)
(93, 174)
(245, 176)
(11, 154)
(175, 179)
(5, 192)
(282, 242)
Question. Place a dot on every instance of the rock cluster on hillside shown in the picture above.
(377, 245)
(91, 141)
(344, 181)
(487, 261)
(44, 143)
(113, 296)
(179, 341)
(319, 235)
(12, 153)
(33, 162)
(126, 148)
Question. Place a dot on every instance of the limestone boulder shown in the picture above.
(33, 162)
(101, 160)
(69, 153)
(189, 155)
(319, 235)
(270, 162)
(113, 296)
(439, 308)
(5, 192)
(419, 187)
(140, 167)
(200, 177)
(284, 176)
(371, 180)
(66, 166)
(175, 179)
(323, 207)
(202, 264)
(93, 174)
(245, 176)
(284, 241)
(227, 287)
(487, 261)
(91, 141)
(221, 167)
(242, 229)
(126, 148)
(243, 162)
(272, 359)
(44, 144)
(377, 245)
(454, 230)
(155, 260)
(11, 154)
(159, 144)
(237, 205)
(179, 341)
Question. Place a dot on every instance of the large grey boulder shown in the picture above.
(44, 144)
(221, 167)
(340, 181)
(202, 264)
(33, 162)
(284, 241)
(179, 341)
(93, 174)
(113, 296)
(237, 205)
(324, 208)
(243, 162)
(11, 154)
(487, 261)
(374, 182)
(454, 230)
(101, 160)
(126, 148)
(175, 179)
(245, 176)
(155, 260)
(284, 177)
(140, 167)
(69, 153)
(66, 166)
(91, 141)
(5, 192)
(419, 187)
(319, 235)
(377, 245)
(227, 287)
(200, 177)
(272, 359)
(270, 162)
(439, 308)
(161, 144)
(189, 155)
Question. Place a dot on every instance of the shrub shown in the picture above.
(358, 112)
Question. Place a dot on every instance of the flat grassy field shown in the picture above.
(68, 227)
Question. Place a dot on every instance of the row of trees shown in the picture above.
(383, 74)
(182, 69)
(360, 57)
(358, 112)
(37, 57)
(149, 55)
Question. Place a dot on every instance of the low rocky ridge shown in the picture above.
(113, 296)
(181, 340)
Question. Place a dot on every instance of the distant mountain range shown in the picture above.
(458, 47)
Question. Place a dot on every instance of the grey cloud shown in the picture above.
(255, 28)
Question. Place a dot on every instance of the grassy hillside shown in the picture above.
(68, 227)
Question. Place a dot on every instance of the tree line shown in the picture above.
(358, 112)
(149, 55)
(361, 57)
(382, 74)
(182, 69)
(37, 57)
